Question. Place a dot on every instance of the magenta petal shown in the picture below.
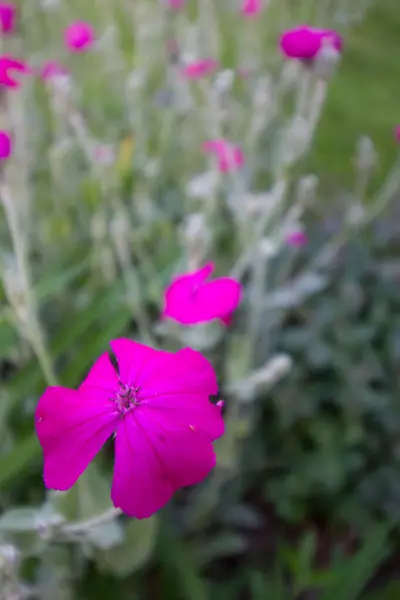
(132, 357)
(186, 454)
(218, 298)
(213, 300)
(140, 485)
(180, 388)
(102, 376)
(187, 372)
(72, 427)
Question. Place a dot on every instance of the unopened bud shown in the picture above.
(9, 559)
(326, 61)
(224, 81)
(295, 140)
(365, 154)
(196, 238)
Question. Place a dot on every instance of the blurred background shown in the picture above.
(107, 191)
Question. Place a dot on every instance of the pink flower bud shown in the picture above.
(176, 4)
(251, 8)
(304, 42)
(5, 145)
(8, 13)
(7, 65)
(199, 68)
(229, 156)
(79, 36)
(297, 239)
(51, 69)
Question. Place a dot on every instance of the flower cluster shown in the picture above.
(157, 405)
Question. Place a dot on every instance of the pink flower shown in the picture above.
(297, 239)
(230, 156)
(7, 17)
(176, 4)
(191, 299)
(396, 132)
(251, 7)
(79, 36)
(5, 145)
(158, 407)
(51, 69)
(304, 42)
(200, 68)
(8, 64)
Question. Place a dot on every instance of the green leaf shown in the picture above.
(107, 535)
(22, 454)
(390, 592)
(221, 546)
(89, 497)
(352, 578)
(135, 550)
(20, 519)
(179, 568)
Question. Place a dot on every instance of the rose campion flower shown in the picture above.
(5, 145)
(304, 42)
(8, 64)
(200, 68)
(251, 7)
(397, 133)
(191, 299)
(79, 36)
(51, 69)
(297, 239)
(7, 17)
(157, 405)
(229, 156)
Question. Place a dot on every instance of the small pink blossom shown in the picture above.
(297, 239)
(79, 36)
(251, 8)
(396, 132)
(9, 64)
(200, 68)
(51, 69)
(176, 4)
(5, 145)
(8, 13)
(157, 404)
(230, 156)
(191, 299)
(304, 42)
(104, 154)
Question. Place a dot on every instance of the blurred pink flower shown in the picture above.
(297, 239)
(191, 299)
(5, 145)
(176, 4)
(396, 132)
(157, 404)
(199, 68)
(230, 156)
(251, 7)
(304, 42)
(79, 36)
(8, 13)
(9, 64)
(51, 69)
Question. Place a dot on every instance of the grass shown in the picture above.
(364, 96)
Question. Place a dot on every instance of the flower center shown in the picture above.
(126, 398)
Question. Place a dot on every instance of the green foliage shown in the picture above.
(309, 367)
